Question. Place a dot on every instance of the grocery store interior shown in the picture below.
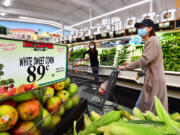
(89, 67)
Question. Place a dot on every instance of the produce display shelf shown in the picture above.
(66, 124)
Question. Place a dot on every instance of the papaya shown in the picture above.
(21, 88)
(59, 86)
(22, 127)
(8, 117)
(29, 110)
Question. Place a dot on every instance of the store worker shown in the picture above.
(93, 54)
(152, 63)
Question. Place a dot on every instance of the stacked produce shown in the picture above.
(171, 51)
(107, 57)
(123, 123)
(123, 54)
(77, 54)
(138, 50)
(20, 114)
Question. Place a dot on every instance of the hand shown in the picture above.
(125, 63)
(121, 67)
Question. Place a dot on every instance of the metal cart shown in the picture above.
(82, 75)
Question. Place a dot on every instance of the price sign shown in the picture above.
(25, 62)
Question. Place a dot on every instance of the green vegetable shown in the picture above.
(87, 120)
(148, 122)
(77, 54)
(137, 113)
(151, 116)
(75, 132)
(107, 56)
(122, 128)
(175, 116)
(123, 54)
(94, 116)
(171, 51)
(104, 120)
(127, 115)
(172, 127)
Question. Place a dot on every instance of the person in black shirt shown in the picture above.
(93, 54)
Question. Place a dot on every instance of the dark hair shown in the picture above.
(92, 42)
(152, 32)
(92, 50)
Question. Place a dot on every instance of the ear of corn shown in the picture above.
(175, 116)
(104, 120)
(127, 115)
(163, 116)
(94, 116)
(137, 113)
(122, 128)
(151, 116)
(87, 120)
(75, 132)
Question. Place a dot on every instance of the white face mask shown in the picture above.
(92, 47)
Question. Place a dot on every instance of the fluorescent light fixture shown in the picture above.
(7, 3)
(109, 13)
(2, 14)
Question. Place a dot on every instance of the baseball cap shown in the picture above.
(145, 22)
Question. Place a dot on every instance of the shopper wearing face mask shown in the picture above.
(93, 54)
(152, 61)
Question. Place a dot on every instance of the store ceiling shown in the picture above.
(71, 12)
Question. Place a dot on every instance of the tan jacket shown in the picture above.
(154, 82)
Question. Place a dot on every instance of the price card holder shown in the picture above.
(27, 62)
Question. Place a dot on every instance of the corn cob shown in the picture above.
(87, 120)
(104, 120)
(122, 128)
(151, 116)
(137, 113)
(127, 115)
(75, 132)
(175, 116)
(94, 116)
(163, 116)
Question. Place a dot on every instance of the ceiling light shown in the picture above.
(2, 14)
(7, 3)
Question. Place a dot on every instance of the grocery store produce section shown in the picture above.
(48, 85)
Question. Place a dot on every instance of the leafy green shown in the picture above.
(171, 51)
(123, 54)
(107, 57)
(77, 54)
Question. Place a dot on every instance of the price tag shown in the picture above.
(26, 62)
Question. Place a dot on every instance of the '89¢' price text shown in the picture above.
(37, 66)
